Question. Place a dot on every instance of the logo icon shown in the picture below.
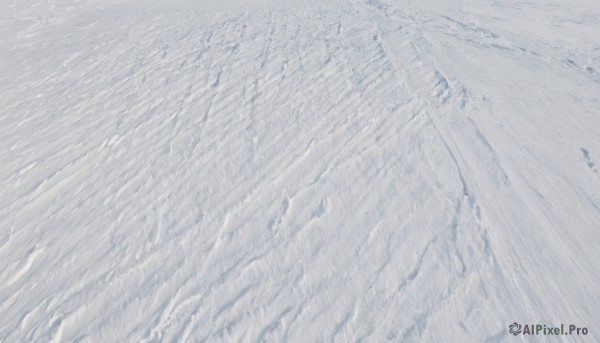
(515, 328)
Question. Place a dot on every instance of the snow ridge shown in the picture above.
(297, 171)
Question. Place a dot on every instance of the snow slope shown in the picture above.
(298, 170)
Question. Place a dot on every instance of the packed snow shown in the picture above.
(302, 171)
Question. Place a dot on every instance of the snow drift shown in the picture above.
(298, 170)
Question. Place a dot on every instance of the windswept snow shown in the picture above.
(298, 171)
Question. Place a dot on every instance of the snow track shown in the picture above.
(353, 171)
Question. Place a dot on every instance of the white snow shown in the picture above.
(300, 171)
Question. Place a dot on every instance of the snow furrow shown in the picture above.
(296, 171)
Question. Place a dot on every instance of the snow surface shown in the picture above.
(298, 171)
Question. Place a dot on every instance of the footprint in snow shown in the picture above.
(588, 160)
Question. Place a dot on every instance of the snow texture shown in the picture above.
(300, 171)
